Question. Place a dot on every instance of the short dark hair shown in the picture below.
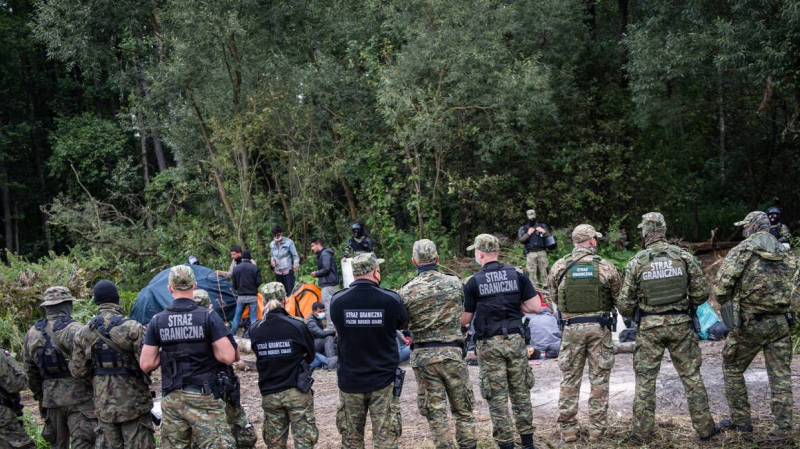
(246, 254)
(316, 306)
(276, 229)
(236, 249)
(318, 241)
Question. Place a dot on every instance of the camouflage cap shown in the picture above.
(273, 290)
(365, 263)
(486, 243)
(531, 214)
(425, 252)
(584, 232)
(652, 220)
(181, 277)
(755, 217)
(56, 295)
(201, 297)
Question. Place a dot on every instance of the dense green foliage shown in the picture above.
(135, 133)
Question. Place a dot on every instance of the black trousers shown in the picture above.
(287, 280)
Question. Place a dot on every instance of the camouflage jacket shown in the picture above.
(52, 393)
(434, 302)
(609, 275)
(117, 398)
(12, 377)
(759, 274)
(781, 232)
(631, 296)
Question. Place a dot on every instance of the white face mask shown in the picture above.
(321, 315)
(478, 260)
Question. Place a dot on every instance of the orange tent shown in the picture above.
(298, 303)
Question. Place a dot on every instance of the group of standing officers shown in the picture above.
(92, 381)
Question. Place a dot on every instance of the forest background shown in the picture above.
(136, 133)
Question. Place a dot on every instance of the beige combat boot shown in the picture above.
(569, 436)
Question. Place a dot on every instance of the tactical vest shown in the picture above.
(108, 361)
(498, 309)
(663, 277)
(535, 241)
(776, 231)
(362, 246)
(50, 359)
(582, 290)
(187, 356)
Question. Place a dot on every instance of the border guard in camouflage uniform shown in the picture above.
(12, 381)
(662, 283)
(756, 276)
(497, 296)
(243, 432)
(188, 342)
(284, 347)
(106, 352)
(585, 285)
(65, 402)
(367, 319)
(435, 302)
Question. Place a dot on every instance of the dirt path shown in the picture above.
(672, 414)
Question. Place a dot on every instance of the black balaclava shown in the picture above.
(105, 291)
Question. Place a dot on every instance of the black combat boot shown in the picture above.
(727, 424)
(714, 431)
(506, 445)
(527, 441)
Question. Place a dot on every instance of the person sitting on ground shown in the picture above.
(246, 280)
(323, 338)
(545, 335)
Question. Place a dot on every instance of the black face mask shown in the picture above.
(357, 233)
(773, 219)
(532, 222)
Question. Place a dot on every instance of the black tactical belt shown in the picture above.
(437, 344)
(512, 331)
(202, 389)
(761, 316)
(668, 312)
(582, 320)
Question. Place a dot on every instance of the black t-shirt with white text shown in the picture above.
(366, 318)
(472, 295)
(280, 343)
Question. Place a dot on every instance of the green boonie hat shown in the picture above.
(486, 243)
(365, 263)
(531, 214)
(652, 220)
(273, 290)
(56, 295)
(425, 252)
(181, 277)
(754, 218)
(201, 297)
(584, 232)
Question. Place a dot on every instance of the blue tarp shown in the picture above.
(156, 297)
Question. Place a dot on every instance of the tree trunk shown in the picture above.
(16, 226)
(623, 31)
(286, 211)
(413, 167)
(212, 151)
(721, 106)
(37, 148)
(157, 148)
(351, 198)
(6, 197)
(145, 168)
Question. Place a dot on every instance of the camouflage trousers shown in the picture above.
(681, 341)
(288, 408)
(384, 411)
(134, 434)
(536, 263)
(197, 417)
(437, 384)
(243, 432)
(504, 374)
(12, 433)
(581, 343)
(71, 426)
(771, 335)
